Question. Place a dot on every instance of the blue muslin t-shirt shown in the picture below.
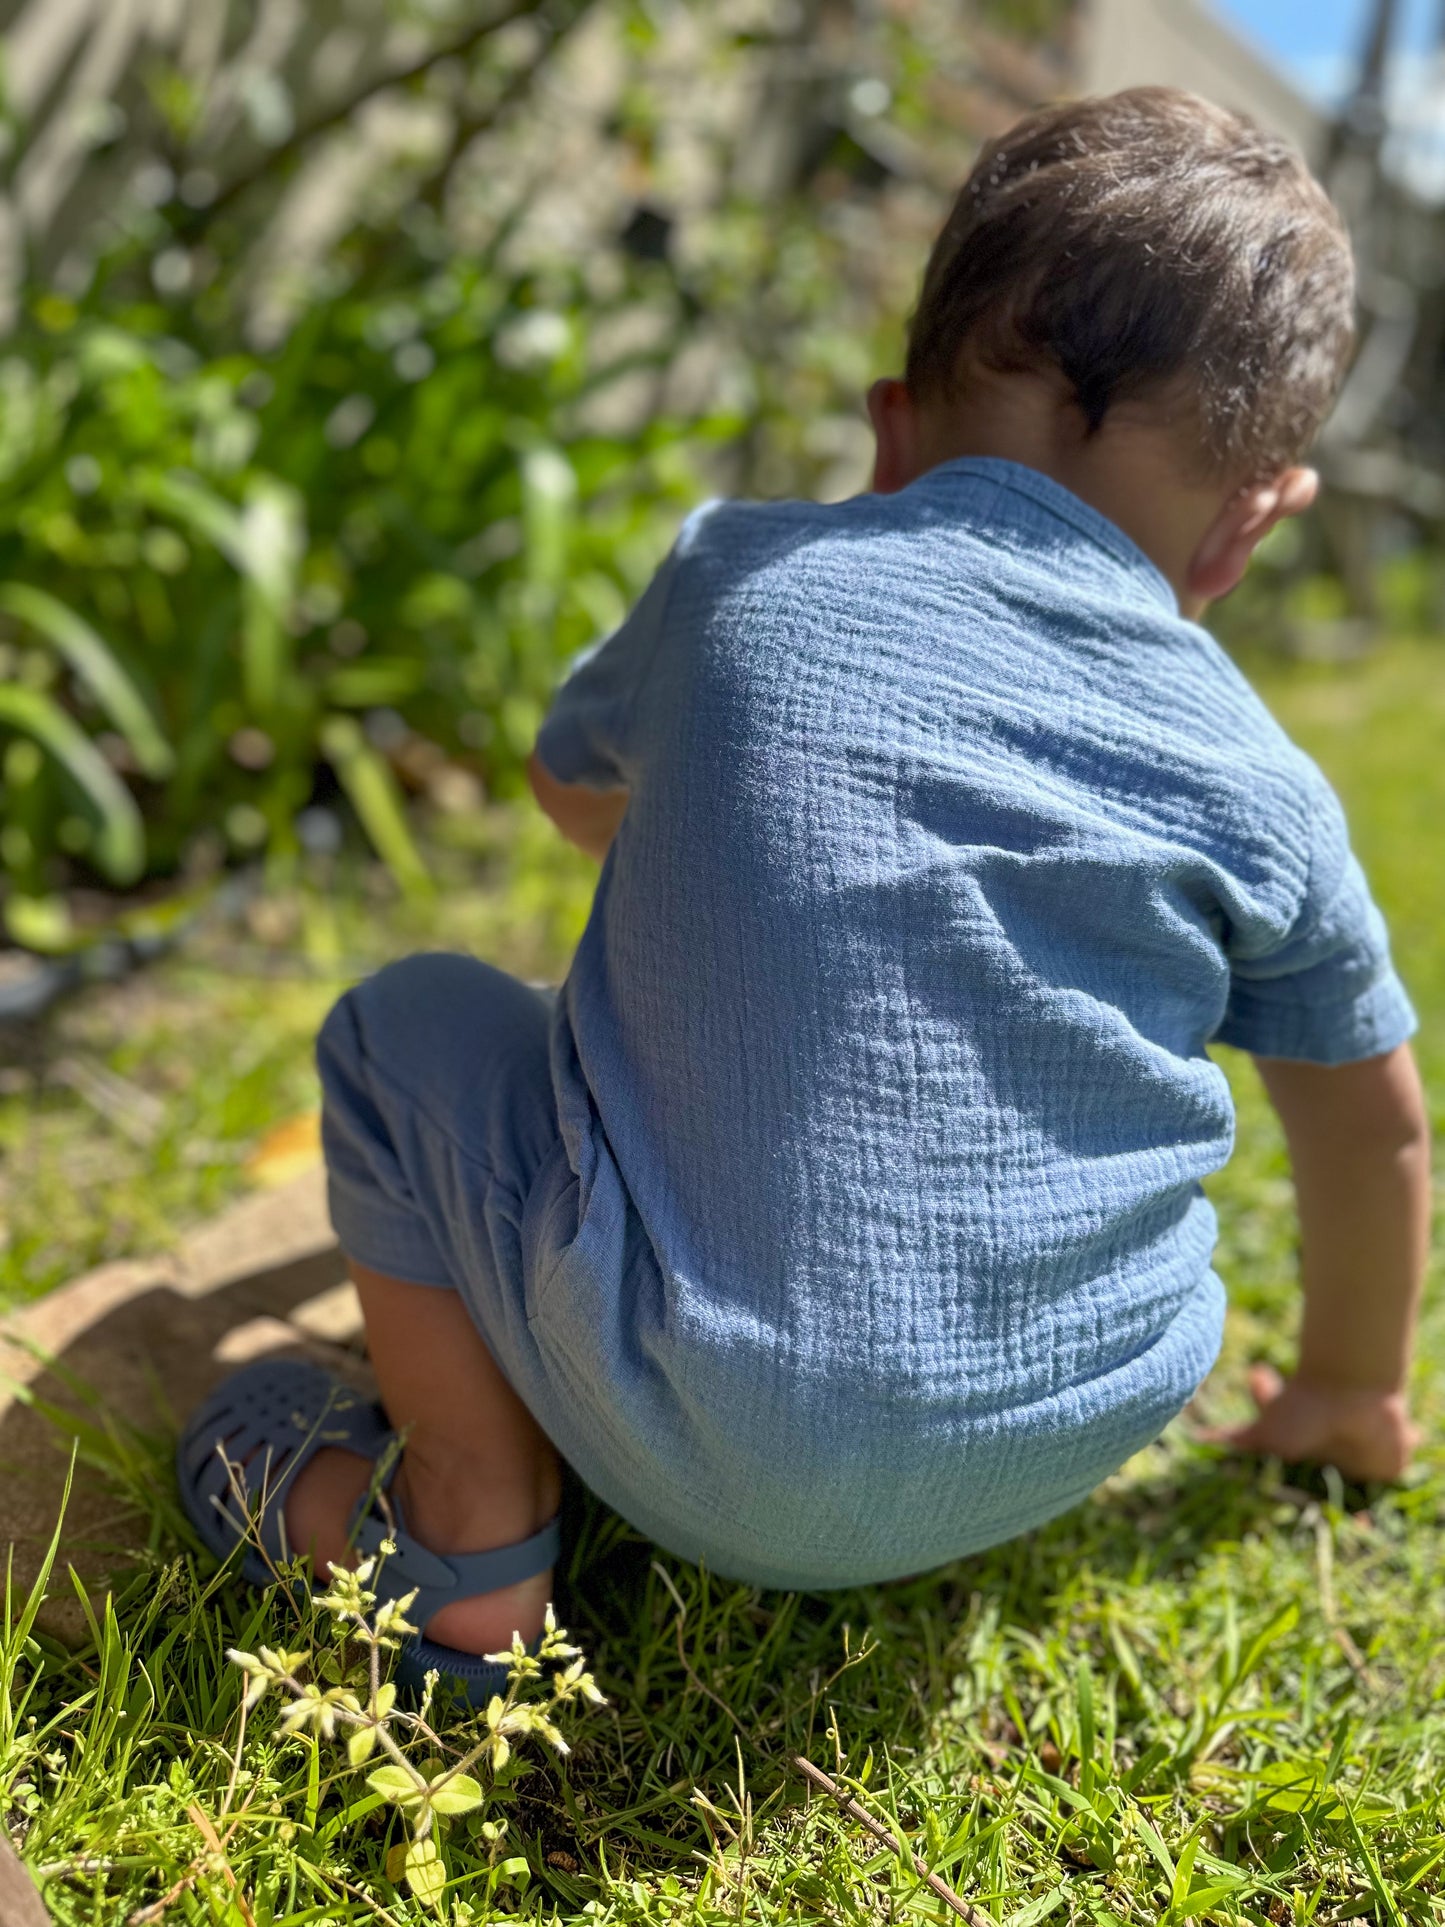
(881, 1065)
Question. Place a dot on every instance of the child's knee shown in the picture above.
(397, 1011)
(437, 1025)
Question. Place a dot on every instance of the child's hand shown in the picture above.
(1367, 1435)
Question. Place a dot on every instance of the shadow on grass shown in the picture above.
(711, 1680)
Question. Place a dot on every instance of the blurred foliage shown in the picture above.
(1029, 19)
(253, 569)
(1293, 601)
(283, 546)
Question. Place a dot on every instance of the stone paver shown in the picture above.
(147, 1338)
(20, 1904)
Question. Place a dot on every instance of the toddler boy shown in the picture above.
(843, 1214)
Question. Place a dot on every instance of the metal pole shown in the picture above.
(1368, 106)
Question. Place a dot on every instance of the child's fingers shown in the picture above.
(1265, 1385)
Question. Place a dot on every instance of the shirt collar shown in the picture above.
(1048, 502)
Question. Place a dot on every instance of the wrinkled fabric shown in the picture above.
(872, 1233)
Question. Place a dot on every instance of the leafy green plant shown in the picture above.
(341, 1693)
(233, 585)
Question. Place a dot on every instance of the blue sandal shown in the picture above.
(275, 1416)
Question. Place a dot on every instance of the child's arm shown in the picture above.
(587, 817)
(1359, 1141)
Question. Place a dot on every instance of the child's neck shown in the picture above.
(1130, 469)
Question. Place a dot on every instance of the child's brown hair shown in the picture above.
(1145, 245)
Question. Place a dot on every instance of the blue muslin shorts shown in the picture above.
(438, 1118)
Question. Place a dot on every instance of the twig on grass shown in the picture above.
(217, 1844)
(158, 1909)
(886, 1837)
(202, 1822)
(216, 1847)
(364, 1894)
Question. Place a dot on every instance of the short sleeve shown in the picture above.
(586, 736)
(1327, 993)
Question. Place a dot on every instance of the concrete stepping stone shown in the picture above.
(149, 1337)
(20, 1902)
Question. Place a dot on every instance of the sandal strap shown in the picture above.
(472, 1676)
(441, 1581)
(245, 1445)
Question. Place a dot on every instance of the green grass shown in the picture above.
(1213, 1693)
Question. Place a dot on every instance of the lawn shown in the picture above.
(1213, 1693)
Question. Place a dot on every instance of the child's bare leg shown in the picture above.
(476, 1472)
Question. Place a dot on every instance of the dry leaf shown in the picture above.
(287, 1151)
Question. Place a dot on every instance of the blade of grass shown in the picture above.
(263, 542)
(374, 795)
(1388, 1910)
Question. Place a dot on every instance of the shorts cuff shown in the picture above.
(374, 1233)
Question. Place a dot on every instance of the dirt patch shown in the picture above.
(128, 1349)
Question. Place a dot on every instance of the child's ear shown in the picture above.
(895, 428)
(1240, 526)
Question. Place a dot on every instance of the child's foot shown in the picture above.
(445, 1512)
